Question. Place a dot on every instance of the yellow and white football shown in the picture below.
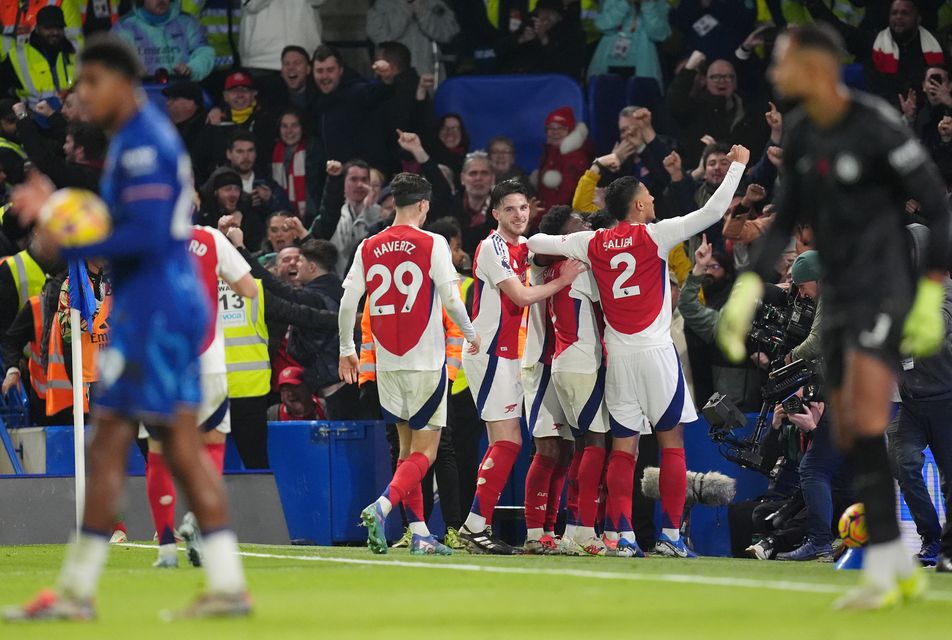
(76, 217)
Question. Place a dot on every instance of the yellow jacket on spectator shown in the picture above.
(39, 78)
(18, 17)
(584, 202)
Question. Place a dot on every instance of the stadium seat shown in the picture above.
(606, 97)
(645, 92)
(854, 75)
(514, 106)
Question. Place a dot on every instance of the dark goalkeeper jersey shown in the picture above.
(851, 182)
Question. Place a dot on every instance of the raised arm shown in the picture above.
(670, 232)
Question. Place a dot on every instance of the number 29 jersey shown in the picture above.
(630, 268)
(401, 269)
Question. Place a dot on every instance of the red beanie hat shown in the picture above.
(563, 116)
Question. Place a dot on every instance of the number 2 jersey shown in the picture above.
(496, 318)
(401, 269)
(630, 267)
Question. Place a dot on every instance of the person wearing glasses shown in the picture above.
(713, 107)
(502, 159)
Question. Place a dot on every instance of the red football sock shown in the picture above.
(161, 492)
(672, 485)
(490, 483)
(216, 452)
(571, 494)
(406, 480)
(120, 526)
(413, 503)
(556, 487)
(621, 483)
(538, 480)
(589, 480)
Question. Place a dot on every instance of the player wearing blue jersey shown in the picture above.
(150, 372)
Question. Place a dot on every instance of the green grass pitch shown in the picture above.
(311, 592)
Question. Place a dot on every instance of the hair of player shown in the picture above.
(356, 163)
(240, 135)
(474, 156)
(601, 219)
(553, 222)
(396, 53)
(818, 37)
(619, 194)
(90, 138)
(325, 52)
(115, 54)
(320, 252)
(293, 48)
(721, 148)
(507, 188)
(409, 188)
(447, 227)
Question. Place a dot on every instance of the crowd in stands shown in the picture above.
(292, 152)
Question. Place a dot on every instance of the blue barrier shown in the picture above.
(605, 99)
(854, 76)
(514, 106)
(326, 472)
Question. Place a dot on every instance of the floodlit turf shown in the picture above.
(349, 593)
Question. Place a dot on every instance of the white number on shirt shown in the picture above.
(620, 290)
(409, 289)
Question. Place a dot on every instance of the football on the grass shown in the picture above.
(853, 526)
(76, 217)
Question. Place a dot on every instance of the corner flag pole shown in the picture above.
(79, 430)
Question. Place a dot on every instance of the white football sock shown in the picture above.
(551, 534)
(880, 563)
(475, 523)
(673, 534)
(570, 530)
(222, 564)
(533, 534)
(85, 560)
(420, 529)
(628, 535)
(384, 506)
(168, 550)
(584, 534)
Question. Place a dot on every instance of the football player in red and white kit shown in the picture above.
(578, 376)
(499, 269)
(554, 444)
(214, 258)
(644, 384)
(407, 273)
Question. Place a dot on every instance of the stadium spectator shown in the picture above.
(222, 197)
(716, 109)
(552, 42)
(185, 106)
(641, 152)
(502, 157)
(42, 66)
(12, 154)
(896, 57)
(297, 84)
(451, 142)
(716, 27)
(240, 110)
(282, 233)
(567, 152)
(266, 196)
(288, 160)
(745, 223)
(631, 33)
(685, 193)
(168, 40)
(268, 26)
(421, 26)
(471, 203)
(923, 111)
(442, 196)
(78, 163)
(297, 401)
(21, 276)
(340, 114)
(71, 109)
(18, 18)
(221, 20)
(714, 271)
(348, 210)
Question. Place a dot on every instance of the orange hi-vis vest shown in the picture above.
(367, 369)
(35, 364)
(59, 389)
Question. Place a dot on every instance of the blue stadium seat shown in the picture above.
(854, 75)
(606, 97)
(645, 92)
(514, 106)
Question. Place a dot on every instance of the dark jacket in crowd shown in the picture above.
(564, 53)
(699, 114)
(252, 223)
(46, 154)
(400, 111)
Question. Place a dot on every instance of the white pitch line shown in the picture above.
(676, 578)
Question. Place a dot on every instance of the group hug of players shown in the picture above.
(598, 359)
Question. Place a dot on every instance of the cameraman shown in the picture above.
(925, 420)
(818, 466)
(806, 274)
(714, 271)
